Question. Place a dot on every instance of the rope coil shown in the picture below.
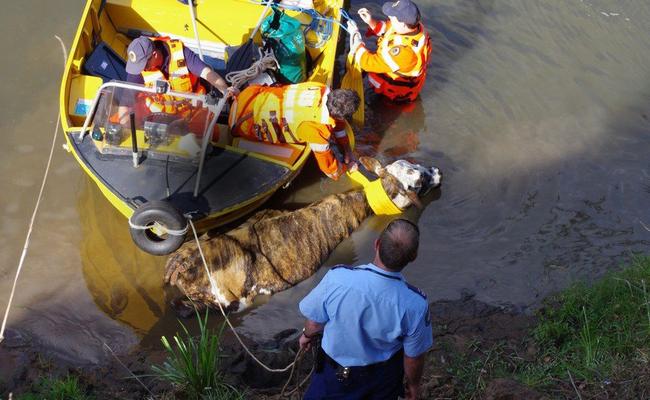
(267, 61)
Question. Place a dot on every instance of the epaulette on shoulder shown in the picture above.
(342, 266)
(416, 290)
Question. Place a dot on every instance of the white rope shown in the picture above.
(266, 61)
(38, 202)
(213, 285)
(157, 226)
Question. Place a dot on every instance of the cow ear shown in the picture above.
(414, 199)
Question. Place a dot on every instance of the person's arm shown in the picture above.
(199, 68)
(126, 99)
(313, 308)
(318, 137)
(368, 19)
(413, 367)
(388, 60)
(417, 341)
(341, 138)
(311, 330)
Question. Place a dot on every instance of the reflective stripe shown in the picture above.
(289, 98)
(340, 134)
(180, 72)
(360, 51)
(324, 112)
(319, 148)
(151, 77)
(178, 54)
(373, 82)
(288, 115)
(397, 40)
(421, 42)
(388, 59)
(233, 114)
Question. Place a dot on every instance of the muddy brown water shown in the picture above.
(537, 113)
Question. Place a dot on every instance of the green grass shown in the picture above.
(192, 364)
(593, 330)
(67, 388)
(596, 333)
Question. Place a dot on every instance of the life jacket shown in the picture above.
(273, 114)
(402, 85)
(180, 80)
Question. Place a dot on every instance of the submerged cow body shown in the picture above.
(274, 250)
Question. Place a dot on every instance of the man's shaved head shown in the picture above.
(398, 244)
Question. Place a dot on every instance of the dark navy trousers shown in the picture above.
(379, 382)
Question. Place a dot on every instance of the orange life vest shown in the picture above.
(180, 80)
(273, 114)
(402, 84)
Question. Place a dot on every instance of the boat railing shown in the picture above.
(207, 100)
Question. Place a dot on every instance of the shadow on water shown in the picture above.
(454, 29)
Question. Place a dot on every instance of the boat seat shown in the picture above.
(285, 152)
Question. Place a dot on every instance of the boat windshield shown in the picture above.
(166, 126)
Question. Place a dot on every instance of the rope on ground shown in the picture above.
(214, 288)
(574, 384)
(38, 202)
(127, 368)
(266, 61)
(292, 391)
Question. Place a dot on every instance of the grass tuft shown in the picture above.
(67, 388)
(192, 364)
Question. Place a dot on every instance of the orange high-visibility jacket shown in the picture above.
(180, 80)
(398, 68)
(291, 114)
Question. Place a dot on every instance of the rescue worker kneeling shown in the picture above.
(398, 68)
(306, 112)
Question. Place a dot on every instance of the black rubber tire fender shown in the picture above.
(164, 214)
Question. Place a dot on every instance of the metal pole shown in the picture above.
(206, 139)
(134, 142)
(190, 3)
(259, 22)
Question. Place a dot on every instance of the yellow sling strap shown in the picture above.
(377, 197)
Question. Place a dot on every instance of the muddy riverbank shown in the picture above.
(465, 330)
(23, 361)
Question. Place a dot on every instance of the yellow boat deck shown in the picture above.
(221, 24)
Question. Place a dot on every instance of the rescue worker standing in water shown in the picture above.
(306, 112)
(376, 327)
(398, 68)
(153, 59)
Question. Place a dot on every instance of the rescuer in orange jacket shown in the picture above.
(306, 112)
(398, 68)
(154, 59)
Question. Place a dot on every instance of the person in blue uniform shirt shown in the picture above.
(376, 327)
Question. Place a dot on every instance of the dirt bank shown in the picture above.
(471, 337)
(458, 325)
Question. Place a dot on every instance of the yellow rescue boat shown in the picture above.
(157, 172)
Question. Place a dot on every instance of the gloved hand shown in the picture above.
(352, 27)
(355, 36)
(231, 92)
(365, 15)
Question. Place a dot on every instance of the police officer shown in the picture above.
(398, 68)
(376, 327)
